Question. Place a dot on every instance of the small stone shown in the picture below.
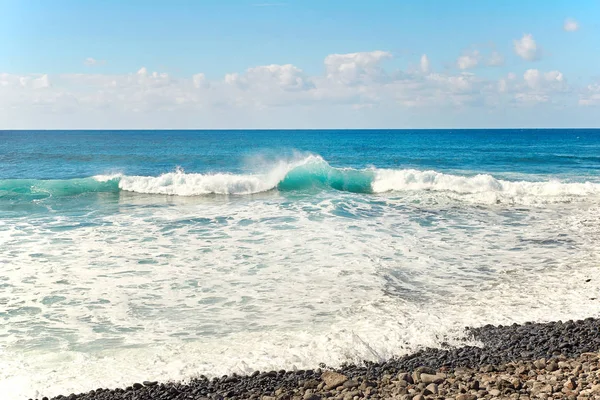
(474, 385)
(311, 384)
(432, 388)
(466, 396)
(570, 384)
(312, 397)
(487, 369)
(553, 366)
(150, 383)
(494, 392)
(350, 384)
(416, 375)
(428, 378)
(137, 385)
(404, 377)
(333, 379)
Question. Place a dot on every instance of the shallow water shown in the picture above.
(164, 255)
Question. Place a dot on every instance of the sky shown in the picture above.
(254, 64)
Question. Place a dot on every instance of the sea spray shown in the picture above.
(311, 173)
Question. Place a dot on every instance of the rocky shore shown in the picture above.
(558, 360)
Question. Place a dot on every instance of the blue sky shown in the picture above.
(91, 64)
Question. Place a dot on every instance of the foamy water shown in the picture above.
(123, 277)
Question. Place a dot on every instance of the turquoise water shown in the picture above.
(167, 254)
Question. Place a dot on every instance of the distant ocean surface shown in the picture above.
(155, 255)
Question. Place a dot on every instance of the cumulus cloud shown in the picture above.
(495, 59)
(469, 60)
(591, 95)
(200, 81)
(355, 81)
(286, 77)
(527, 48)
(476, 58)
(425, 67)
(32, 81)
(570, 25)
(90, 62)
(356, 67)
(540, 87)
(534, 78)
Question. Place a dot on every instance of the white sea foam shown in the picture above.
(223, 285)
(483, 187)
(309, 170)
(190, 184)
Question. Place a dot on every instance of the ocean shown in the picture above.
(162, 255)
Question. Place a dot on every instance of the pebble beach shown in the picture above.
(556, 360)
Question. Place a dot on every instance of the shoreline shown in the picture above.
(518, 354)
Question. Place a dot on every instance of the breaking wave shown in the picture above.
(312, 172)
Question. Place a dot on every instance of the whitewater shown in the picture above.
(136, 255)
(312, 173)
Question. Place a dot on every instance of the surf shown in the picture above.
(310, 173)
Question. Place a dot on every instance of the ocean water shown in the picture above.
(159, 255)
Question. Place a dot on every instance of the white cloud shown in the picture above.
(495, 59)
(468, 61)
(200, 81)
(90, 62)
(232, 79)
(502, 85)
(540, 87)
(535, 79)
(32, 81)
(270, 78)
(532, 98)
(570, 25)
(356, 67)
(286, 77)
(475, 58)
(527, 48)
(590, 96)
(532, 78)
(352, 84)
(425, 67)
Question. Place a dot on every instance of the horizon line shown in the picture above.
(291, 129)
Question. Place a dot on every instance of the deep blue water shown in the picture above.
(79, 154)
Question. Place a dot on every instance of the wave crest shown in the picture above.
(483, 187)
(311, 173)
